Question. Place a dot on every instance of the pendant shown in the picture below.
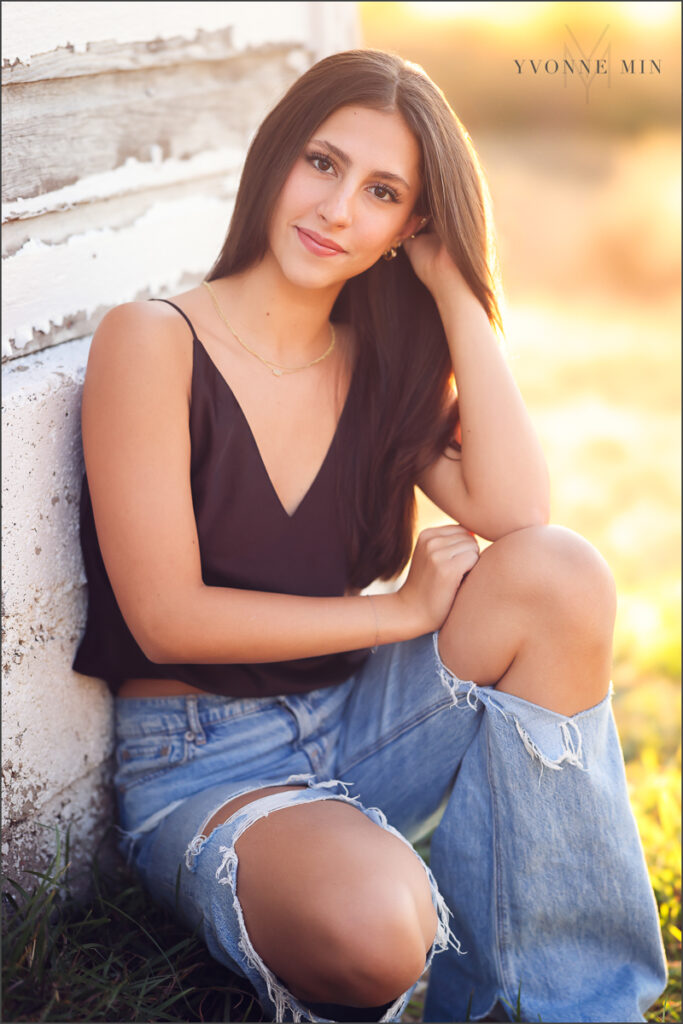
(277, 373)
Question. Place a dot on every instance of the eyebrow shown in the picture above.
(346, 160)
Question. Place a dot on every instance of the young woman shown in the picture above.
(252, 449)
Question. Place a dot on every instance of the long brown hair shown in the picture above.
(402, 407)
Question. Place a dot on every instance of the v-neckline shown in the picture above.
(254, 442)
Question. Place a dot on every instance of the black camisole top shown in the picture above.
(247, 541)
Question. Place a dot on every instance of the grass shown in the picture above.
(119, 958)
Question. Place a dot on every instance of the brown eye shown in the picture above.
(387, 193)
(319, 158)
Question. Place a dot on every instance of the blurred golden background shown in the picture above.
(584, 176)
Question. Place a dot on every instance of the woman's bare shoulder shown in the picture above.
(144, 322)
(141, 338)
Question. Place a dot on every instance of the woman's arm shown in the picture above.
(137, 452)
(500, 482)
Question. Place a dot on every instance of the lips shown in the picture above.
(317, 244)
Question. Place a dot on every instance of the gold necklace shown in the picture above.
(274, 368)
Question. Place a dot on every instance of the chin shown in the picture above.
(311, 277)
(303, 271)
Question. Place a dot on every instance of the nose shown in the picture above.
(336, 206)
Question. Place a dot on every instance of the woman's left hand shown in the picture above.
(433, 264)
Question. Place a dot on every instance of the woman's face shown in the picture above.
(348, 198)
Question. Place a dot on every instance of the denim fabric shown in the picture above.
(537, 871)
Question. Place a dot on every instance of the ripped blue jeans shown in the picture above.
(537, 870)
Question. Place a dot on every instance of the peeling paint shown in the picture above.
(168, 241)
(34, 28)
(132, 176)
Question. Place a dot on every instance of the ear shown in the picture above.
(414, 224)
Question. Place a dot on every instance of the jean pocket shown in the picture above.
(142, 758)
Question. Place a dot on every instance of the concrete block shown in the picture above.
(57, 726)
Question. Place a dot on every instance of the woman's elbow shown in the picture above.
(532, 509)
(514, 520)
(154, 646)
(540, 514)
(158, 653)
(536, 515)
(158, 636)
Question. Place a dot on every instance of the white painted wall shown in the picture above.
(92, 218)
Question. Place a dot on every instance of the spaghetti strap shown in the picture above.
(183, 315)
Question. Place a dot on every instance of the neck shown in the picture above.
(284, 323)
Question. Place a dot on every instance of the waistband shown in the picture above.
(144, 716)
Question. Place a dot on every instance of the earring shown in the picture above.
(422, 224)
(390, 254)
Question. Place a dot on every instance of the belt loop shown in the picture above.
(298, 714)
(195, 730)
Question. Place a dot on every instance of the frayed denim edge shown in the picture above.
(277, 993)
(468, 694)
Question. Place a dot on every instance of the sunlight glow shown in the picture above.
(649, 12)
(641, 618)
(503, 12)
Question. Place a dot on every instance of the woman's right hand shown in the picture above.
(442, 556)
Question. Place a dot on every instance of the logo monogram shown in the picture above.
(585, 61)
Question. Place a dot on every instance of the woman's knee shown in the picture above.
(556, 571)
(352, 918)
(368, 949)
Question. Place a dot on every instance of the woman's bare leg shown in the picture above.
(337, 907)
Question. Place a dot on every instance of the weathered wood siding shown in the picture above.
(124, 129)
(125, 126)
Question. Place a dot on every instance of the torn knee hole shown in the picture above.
(223, 814)
(226, 810)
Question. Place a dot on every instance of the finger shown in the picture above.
(464, 537)
(448, 551)
(447, 530)
(434, 543)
